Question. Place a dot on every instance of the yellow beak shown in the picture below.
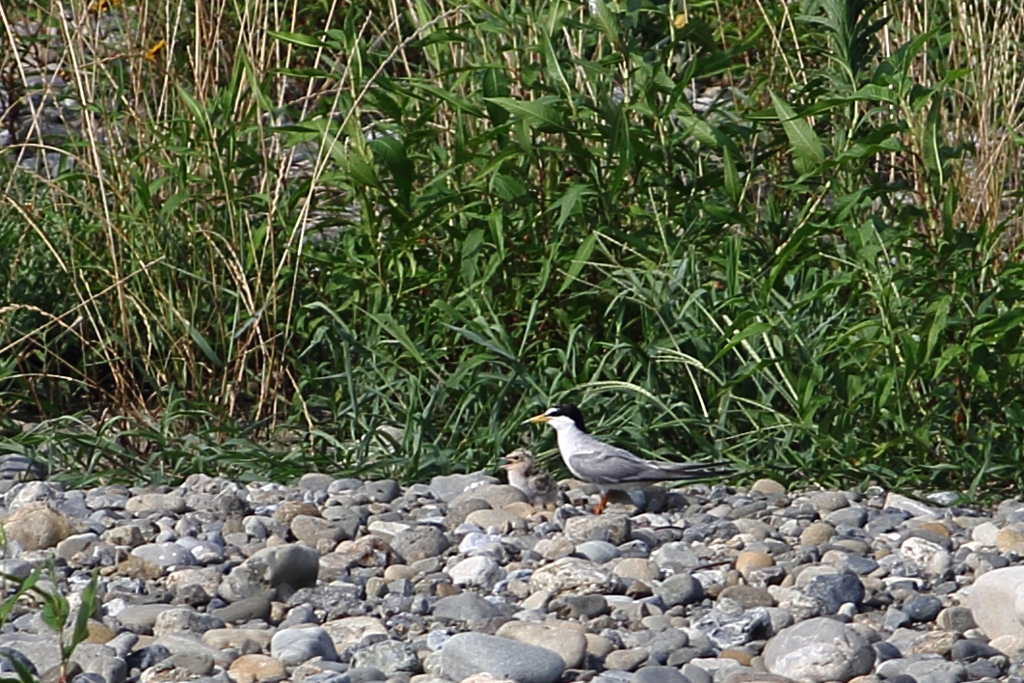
(536, 419)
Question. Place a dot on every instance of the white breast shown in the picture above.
(518, 480)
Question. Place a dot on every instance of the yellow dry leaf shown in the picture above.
(152, 52)
(103, 5)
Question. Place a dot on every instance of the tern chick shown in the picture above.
(539, 487)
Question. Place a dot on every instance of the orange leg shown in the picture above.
(599, 508)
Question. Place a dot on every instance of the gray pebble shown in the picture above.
(447, 488)
(625, 660)
(165, 554)
(579, 606)
(467, 607)
(855, 516)
(921, 665)
(468, 653)
(658, 674)
(834, 590)
(681, 589)
(923, 608)
(598, 552)
(296, 645)
(885, 651)
(388, 656)
(970, 650)
(895, 618)
(246, 609)
(696, 674)
(364, 674)
(419, 542)
(350, 581)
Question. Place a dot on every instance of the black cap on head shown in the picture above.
(570, 411)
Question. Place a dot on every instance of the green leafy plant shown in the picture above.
(71, 627)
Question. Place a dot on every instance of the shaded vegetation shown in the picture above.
(784, 236)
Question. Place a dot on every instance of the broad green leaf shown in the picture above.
(699, 128)
(193, 105)
(786, 250)
(23, 586)
(733, 189)
(700, 33)
(606, 20)
(24, 674)
(254, 85)
(808, 153)
(495, 84)
(541, 113)
(739, 336)
(948, 355)
(488, 344)
(361, 172)
(941, 312)
(932, 145)
(570, 201)
(904, 57)
(204, 345)
(859, 151)
(876, 93)
(87, 605)
(457, 101)
(55, 610)
(506, 187)
(619, 140)
(581, 258)
(954, 75)
(300, 39)
(470, 254)
(884, 385)
(390, 152)
(990, 331)
(400, 334)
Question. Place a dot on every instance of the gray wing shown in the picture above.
(611, 465)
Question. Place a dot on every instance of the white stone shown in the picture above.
(819, 649)
(985, 533)
(294, 646)
(565, 639)
(571, 576)
(1008, 645)
(349, 631)
(929, 558)
(480, 571)
(387, 530)
(916, 508)
(996, 601)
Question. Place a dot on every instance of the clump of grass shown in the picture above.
(371, 239)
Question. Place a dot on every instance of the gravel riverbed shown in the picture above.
(347, 581)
